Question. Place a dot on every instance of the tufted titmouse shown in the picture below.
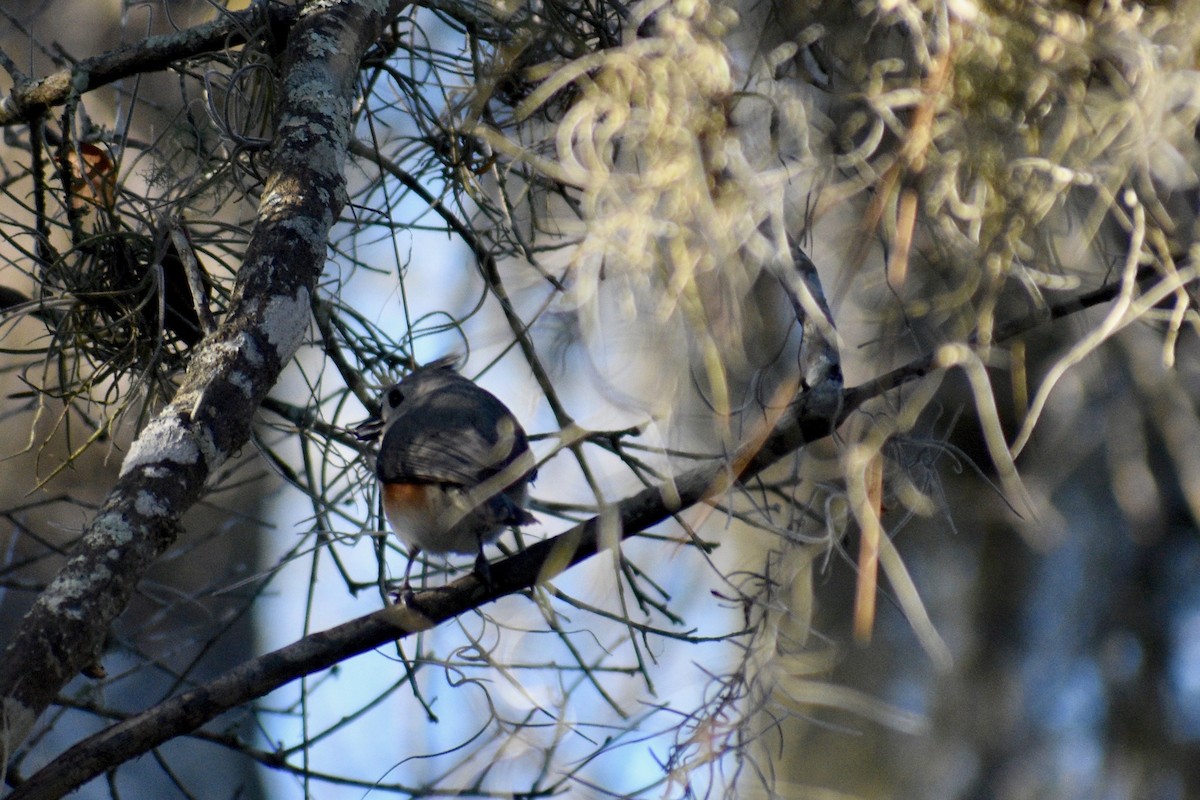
(454, 464)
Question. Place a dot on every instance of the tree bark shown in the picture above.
(168, 465)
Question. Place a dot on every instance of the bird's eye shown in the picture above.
(394, 397)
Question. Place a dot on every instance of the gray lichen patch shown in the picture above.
(284, 321)
(165, 439)
(111, 529)
(148, 504)
(63, 598)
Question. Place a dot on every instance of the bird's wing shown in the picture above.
(455, 437)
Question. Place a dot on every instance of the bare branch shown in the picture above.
(151, 54)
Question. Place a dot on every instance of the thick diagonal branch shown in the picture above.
(230, 373)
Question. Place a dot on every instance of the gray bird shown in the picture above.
(454, 465)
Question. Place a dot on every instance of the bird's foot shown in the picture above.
(403, 596)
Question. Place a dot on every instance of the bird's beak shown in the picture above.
(368, 430)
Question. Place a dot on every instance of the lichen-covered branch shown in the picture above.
(166, 469)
